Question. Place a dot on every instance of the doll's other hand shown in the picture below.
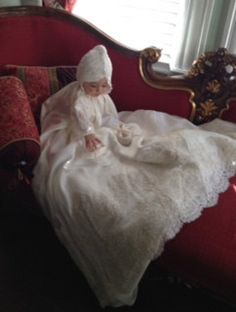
(92, 143)
(124, 135)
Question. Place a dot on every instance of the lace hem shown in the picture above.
(208, 201)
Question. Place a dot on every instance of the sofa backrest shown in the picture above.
(53, 39)
(49, 37)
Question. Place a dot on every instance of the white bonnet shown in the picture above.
(94, 66)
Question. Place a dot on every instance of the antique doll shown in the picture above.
(117, 186)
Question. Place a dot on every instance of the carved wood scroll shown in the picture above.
(211, 81)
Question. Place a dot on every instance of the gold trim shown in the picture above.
(152, 55)
(210, 92)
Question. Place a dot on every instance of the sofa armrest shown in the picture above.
(19, 136)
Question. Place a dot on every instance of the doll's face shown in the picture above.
(96, 88)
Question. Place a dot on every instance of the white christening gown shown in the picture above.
(115, 208)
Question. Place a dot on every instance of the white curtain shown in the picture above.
(195, 33)
(208, 25)
(228, 39)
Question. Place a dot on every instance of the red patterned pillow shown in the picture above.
(19, 136)
(40, 82)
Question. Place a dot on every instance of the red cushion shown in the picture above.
(19, 137)
(205, 250)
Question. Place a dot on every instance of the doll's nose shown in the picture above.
(99, 90)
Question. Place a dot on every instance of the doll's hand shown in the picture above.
(92, 143)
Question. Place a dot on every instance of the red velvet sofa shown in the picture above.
(40, 48)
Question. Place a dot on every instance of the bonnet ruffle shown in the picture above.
(94, 66)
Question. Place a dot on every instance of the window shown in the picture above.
(137, 23)
(183, 29)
